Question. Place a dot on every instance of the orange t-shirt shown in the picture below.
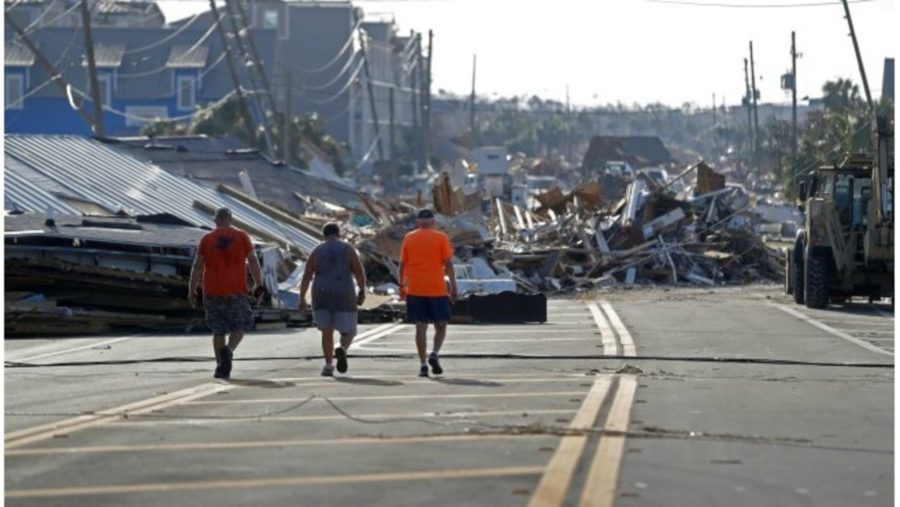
(423, 254)
(224, 253)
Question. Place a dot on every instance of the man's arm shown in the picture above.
(308, 271)
(255, 271)
(196, 271)
(360, 274)
(451, 273)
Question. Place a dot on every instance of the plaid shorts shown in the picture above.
(225, 314)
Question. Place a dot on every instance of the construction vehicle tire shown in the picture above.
(788, 272)
(799, 279)
(816, 287)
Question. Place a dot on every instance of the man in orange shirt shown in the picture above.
(222, 259)
(426, 255)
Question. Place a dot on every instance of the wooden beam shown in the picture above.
(269, 211)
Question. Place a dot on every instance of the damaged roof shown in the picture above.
(216, 160)
(639, 151)
(87, 170)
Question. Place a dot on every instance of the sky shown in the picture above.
(637, 51)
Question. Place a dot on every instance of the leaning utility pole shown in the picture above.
(755, 109)
(236, 82)
(362, 48)
(92, 70)
(749, 115)
(413, 92)
(55, 75)
(472, 97)
(265, 111)
(859, 62)
(288, 120)
(391, 132)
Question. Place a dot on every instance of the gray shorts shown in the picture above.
(225, 314)
(343, 322)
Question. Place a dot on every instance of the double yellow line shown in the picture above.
(600, 483)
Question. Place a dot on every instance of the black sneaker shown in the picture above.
(341, 356)
(327, 371)
(435, 364)
(227, 355)
(423, 371)
(219, 373)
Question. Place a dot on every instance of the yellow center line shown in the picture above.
(551, 490)
(42, 432)
(606, 333)
(274, 482)
(270, 443)
(624, 336)
(436, 396)
(600, 485)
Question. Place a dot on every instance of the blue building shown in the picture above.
(144, 74)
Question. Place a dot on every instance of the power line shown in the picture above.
(751, 6)
(165, 39)
(326, 65)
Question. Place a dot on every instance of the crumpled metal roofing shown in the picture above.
(117, 181)
(22, 195)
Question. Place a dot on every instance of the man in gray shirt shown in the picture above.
(334, 264)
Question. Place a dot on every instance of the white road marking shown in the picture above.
(608, 339)
(44, 431)
(624, 336)
(379, 332)
(66, 351)
(271, 482)
(825, 327)
(436, 397)
(461, 415)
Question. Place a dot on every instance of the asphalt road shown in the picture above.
(635, 398)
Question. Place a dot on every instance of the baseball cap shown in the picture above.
(425, 213)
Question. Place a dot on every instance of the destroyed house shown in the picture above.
(637, 151)
(75, 175)
(217, 161)
(143, 75)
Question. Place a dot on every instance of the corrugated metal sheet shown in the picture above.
(107, 55)
(17, 55)
(19, 194)
(184, 57)
(115, 180)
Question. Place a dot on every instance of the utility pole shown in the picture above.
(92, 70)
(288, 120)
(362, 48)
(427, 116)
(391, 134)
(55, 75)
(422, 159)
(472, 97)
(714, 122)
(568, 125)
(794, 88)
(749, 115)
(859, 62)
(235, 80)
(755, 109)
(248, 58)
(414, 90)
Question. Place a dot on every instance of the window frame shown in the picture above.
(15, 76)
(193, 93)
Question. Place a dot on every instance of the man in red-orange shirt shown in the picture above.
(222, 259)
(426, 255)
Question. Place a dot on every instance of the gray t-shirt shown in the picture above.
(333, 288)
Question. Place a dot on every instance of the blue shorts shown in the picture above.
(427, 309)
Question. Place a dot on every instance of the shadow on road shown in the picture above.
(260, 383)
(467, 382)
(368, 381)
